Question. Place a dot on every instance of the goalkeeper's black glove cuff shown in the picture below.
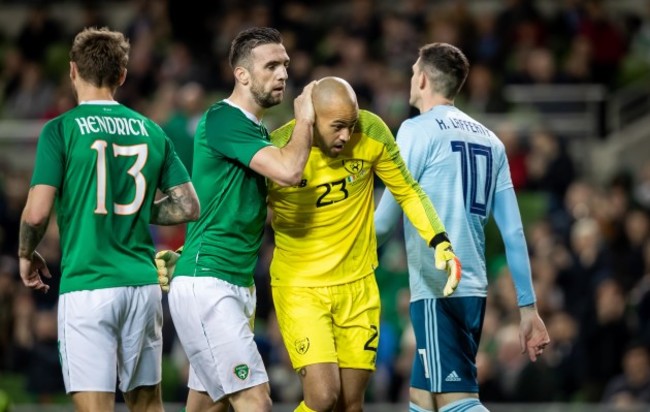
(180, 250)
(438, 239)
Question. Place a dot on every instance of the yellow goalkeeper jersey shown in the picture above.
(324, 227)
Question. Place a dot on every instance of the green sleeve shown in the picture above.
(174, 172)
(239, 139)
(49, 167)
(405, 189)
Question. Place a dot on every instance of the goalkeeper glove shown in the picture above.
(165, 265)
(445, 259)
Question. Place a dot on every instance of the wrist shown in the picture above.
(306, 122)
(528, 309)
(438, 239)
(25, 255)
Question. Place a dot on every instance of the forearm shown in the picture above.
(517, 257)
(296, 152)
(35, 218)
(29, 238)
(424, 217)
(412, 199)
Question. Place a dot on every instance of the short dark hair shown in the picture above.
(101, 56)
(247, 40)
(446, 66)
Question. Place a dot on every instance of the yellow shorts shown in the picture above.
(330, 324)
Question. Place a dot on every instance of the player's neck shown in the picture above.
(246, 102)
(429, 102)
(87, 92)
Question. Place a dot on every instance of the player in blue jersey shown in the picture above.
(462, 166)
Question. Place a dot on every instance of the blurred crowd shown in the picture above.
(589, 243)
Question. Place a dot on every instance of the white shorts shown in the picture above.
(214, 323)
(109, 333)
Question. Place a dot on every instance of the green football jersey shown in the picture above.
(226, 239)
(106, 161)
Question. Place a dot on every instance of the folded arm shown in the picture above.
(180, 205)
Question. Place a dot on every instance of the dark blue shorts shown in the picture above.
(447, 334)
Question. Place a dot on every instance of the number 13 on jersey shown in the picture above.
(139, 150)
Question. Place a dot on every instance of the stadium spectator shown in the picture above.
(39, 32)
(181, 123)
(632, 387)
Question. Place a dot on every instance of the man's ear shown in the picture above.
(73, 71)
(242, 75)
(122, 77)
(422, 81)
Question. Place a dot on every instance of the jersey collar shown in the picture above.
(248, 114)
(99, 102)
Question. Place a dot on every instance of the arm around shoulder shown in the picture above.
(285, 165)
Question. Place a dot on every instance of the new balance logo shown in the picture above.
(452, 377)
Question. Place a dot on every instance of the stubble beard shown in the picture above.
(265, 99)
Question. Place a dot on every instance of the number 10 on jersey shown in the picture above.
(476, 169)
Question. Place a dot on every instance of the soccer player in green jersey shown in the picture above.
(212, 297)
(101, 163)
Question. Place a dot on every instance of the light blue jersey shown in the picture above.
(462, 166)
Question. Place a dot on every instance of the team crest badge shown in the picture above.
(241, 371)
(302, 345)
(353, 166)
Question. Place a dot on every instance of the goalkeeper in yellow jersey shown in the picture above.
(322, 272)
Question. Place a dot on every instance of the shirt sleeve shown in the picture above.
(234, 138)
(49, 167)
(174, 172)
(508, 220)
(388, 210)
(387, 215)
(504, 181)
(407, 192)
(281, 136)
(413, 148)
